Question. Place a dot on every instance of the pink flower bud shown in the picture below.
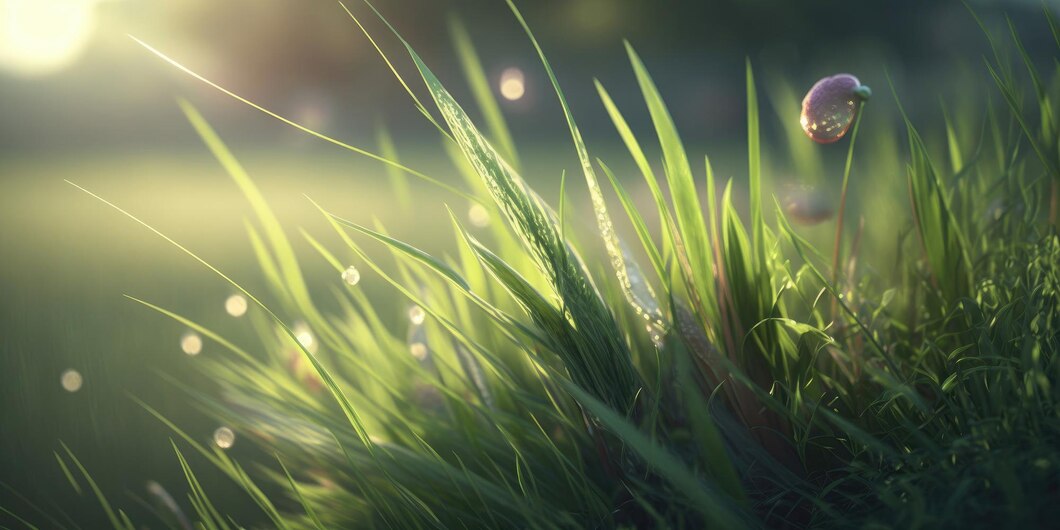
(830, 107)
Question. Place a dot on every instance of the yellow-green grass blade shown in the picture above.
(305, 129)
(496, 365)
(483, 94)
(399, 183)
(754, 170)
(630, 278)
(666, 220)
(221, 461)
(687, 209)
(598, 350)
(639, 226)
(301, 498)
(415, 100)
(415, 253)
(329, 382)
(209, 517)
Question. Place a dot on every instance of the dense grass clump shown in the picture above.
(742, 379)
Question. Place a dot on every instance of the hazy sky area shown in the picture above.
(71, 77)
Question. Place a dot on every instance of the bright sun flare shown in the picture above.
(39, 37)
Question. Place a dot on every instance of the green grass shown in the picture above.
(746, 380)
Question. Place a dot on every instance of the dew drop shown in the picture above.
(71, 380)
(191, 343)
(830, 106)
(236, 305)
(224, 437)
(417, 315)
(478, 215)
(351, 275)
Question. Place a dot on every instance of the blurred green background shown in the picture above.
(81, 101)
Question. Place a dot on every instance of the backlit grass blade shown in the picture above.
(347, 408)
(209, 517)
(754, 168)
(301, 498)
(399, 183)
(481, 90)
(687, 209)
(630, 278)
(633, 146)
(414, 252)
(941, 237)
(305, 129)
(599, 352)
(639, 226)
(416, 100)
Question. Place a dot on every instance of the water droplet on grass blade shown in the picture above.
(830, 107)
(351, 275)
(191, 343)
(224, 437)
(236, 305)
(71, 380)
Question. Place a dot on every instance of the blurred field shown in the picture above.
(68, 260)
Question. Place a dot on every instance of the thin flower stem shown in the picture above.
(843, 201)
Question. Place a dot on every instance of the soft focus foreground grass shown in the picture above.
(67, 263)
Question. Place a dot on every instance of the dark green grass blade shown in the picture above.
(717, 510)
(115, 521)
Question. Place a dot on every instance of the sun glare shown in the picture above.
(39, 37)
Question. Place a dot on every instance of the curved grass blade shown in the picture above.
(305, 129)
(480, 89)
(638, 292)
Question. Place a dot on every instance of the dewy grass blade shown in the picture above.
(697, 262)
(483, 93)
(634, 286)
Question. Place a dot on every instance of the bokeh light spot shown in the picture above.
(224, 437)
(513, 84)
(351, 275)
(71, 380)
(191, 343)
(236, 305)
